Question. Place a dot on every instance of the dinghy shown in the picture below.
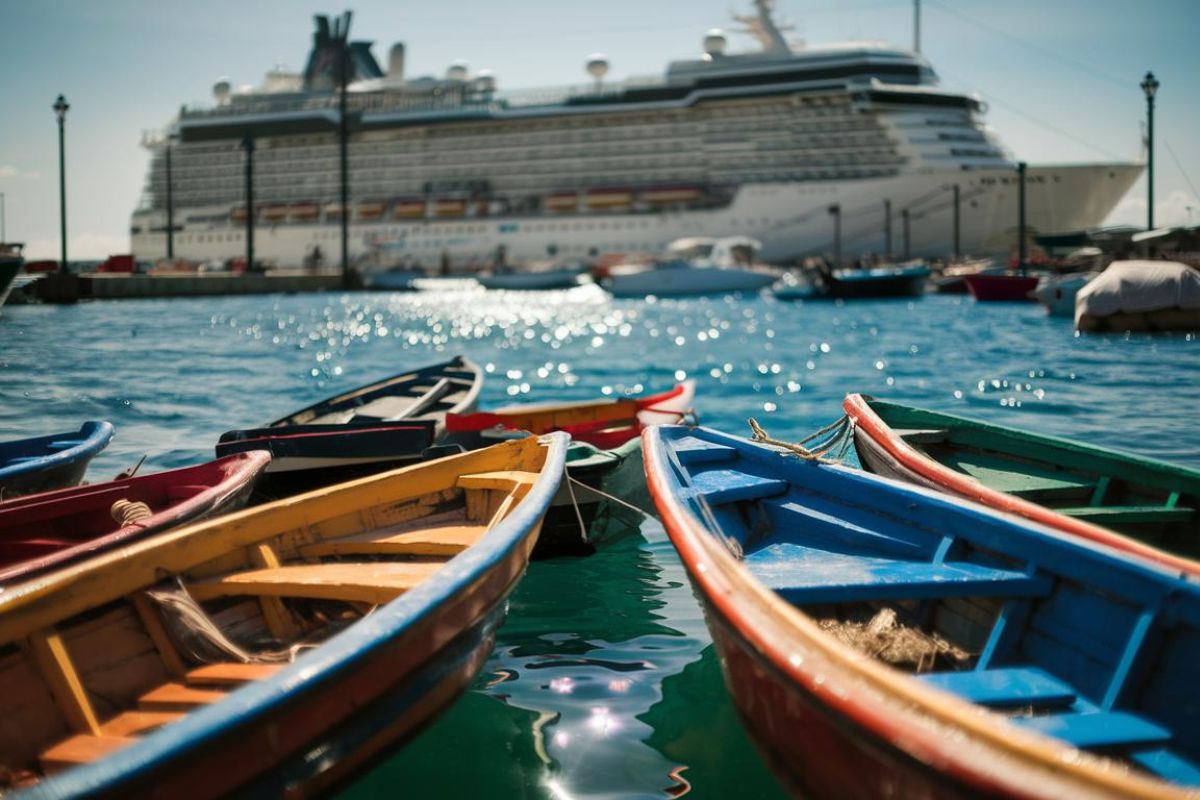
(1081, 489)
(45, 531)
(370, 429)
(881, 639)
(50, 462)
(274, 651)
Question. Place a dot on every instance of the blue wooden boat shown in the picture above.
(845, 284)
(50, 462)
(882, 639)
(275, 651)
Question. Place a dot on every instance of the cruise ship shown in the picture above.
(785, 143)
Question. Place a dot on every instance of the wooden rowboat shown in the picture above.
(49, 530)
(1081, 489)
(370, 429)
(50, 462)
(156, 670)
(881, 639)
(1005, 287)
(606, 424)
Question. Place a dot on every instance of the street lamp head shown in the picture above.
(60, 108)
(1150, 85)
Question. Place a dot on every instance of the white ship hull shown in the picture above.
(792, 220)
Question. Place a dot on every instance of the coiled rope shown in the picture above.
(127, 512)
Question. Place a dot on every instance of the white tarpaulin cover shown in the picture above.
(1133, 287)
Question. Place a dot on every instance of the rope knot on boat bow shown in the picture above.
(833, 438)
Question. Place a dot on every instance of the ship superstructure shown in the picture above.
(451, 169)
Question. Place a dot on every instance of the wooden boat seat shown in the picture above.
(804, 575)
(1097, 730)
(730, 486)
(230, 674)
(427, 540)
(398, 407)
(1125, 515)
(922, 435)
(177, 697)
(504, 481)
(1010, 477)
(691, 450)
(81, 749)
(1169, 765)
(1006, 686)
(372, 582)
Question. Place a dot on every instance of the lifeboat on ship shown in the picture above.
(672, 195)
(561, 202)
(409, 208)
(274, 212)
(238, 214)
(304, 212)
(449, 207)
(333, 211)
(370, 210)
(609, 199)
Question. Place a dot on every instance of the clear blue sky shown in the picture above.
(1061, 76)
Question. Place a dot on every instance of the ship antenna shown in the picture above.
(762, 27)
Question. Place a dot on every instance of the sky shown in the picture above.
(1060, 77)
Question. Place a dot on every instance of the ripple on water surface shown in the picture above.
(603, 682)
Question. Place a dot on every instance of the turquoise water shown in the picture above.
(603, 682)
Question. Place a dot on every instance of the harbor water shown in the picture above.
(603, 682)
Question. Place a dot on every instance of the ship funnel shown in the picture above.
(221, 91)
(485, 81)
(597, 67)
(715, 43)
(457, 71)
(396, 63)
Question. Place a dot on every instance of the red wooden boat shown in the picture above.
(1011, 286)
(44, 531)
(606, 424)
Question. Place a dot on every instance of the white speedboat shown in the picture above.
(1057, 292)
(695, 266)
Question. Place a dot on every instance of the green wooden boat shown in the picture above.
(1088, 491)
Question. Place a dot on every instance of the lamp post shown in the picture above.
(957, 223)
(887, 229)
(343, 145)
(60, 110)
(1021, 166)
(170, 205)
(4, 239)
(1150, 87)
(907, 217)
(248, 146)
(836, 211)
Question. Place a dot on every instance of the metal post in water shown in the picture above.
(957, 225)
(887, 229)
(1150, 87)
(170, 206)
(343, 148)
(836, 211)
(1021, 216)
(904, 214)
(248, 146)
(60, 110)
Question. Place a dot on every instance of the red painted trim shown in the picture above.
(870, 424)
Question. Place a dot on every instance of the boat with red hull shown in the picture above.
(1009, 287)
(45, 531)
(885, 640)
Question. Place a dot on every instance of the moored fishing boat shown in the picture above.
(881, 639)
(843, 284)
(50, 462)
(1003, 287)
(1081, 489)
(535, 280)
(46, 531)
(171, 667)
(368, 429)
(1057, 293)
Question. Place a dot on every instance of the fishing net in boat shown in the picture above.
(903, 646)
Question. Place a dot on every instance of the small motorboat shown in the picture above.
(880, 639)
(1001, 287)
(694, 266)
(1078, 488)
(1057, 292)
(50, 462)
(396, 279)
(369, 429)
(40, 532)
(10, 264)
(950, 280)
(840, 284)
(534, 280)
(1140, 296)
(606, 424)
(274, 651)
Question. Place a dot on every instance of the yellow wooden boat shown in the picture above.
(170, 667)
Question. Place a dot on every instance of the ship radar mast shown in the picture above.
(762, 27)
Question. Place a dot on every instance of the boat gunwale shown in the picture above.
(902, 712)
(869, 423)
(254, 703)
